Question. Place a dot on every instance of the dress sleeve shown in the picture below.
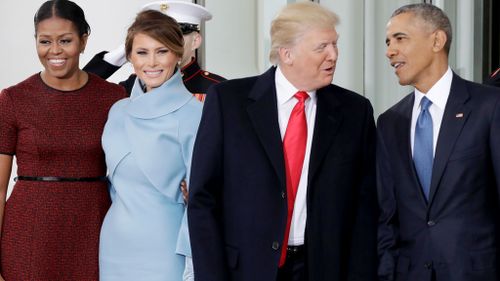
(187, 130)
(8, 125)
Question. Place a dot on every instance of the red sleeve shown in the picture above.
(8, 124)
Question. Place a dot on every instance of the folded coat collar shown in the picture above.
(170, 96)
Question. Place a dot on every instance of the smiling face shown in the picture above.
(415, 51)
(153, 62)
(59, 46)
(310, 63)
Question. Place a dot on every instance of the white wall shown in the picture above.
(349, 72)
(381, 84)
(231, 38)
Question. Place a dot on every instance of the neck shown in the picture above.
(294, 78)
(74, 82)
(432, 75)
(187, 62)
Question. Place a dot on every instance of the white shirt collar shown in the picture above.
(439, 92)
(285, 90)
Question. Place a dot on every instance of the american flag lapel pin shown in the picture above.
(459, 115)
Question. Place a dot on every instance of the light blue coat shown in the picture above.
(148, 140)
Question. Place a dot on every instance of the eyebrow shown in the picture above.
(398, 34)
(395, 35)
(154, 49)
(48, 35)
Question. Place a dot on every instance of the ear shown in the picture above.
(440, 40)
(83, 42)
(197, 39)
(286, 55)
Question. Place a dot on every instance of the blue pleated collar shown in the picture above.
(169, 97)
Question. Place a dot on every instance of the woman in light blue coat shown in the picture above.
(148, 141)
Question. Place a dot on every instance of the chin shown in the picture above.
(326, 82)
(153, 84)
(403, 82)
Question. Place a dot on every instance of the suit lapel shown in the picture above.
(263, 113)
(455, 115)
(403, 127)
(328, 119)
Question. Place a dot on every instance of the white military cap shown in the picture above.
(181, 11)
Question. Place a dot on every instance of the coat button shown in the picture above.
(276, 245)
(283, 194)
(431, 223)
(428, 265)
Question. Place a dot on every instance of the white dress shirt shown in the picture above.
(285, 92)
(438, 95)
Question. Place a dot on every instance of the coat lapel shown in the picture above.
(115, 151)
(455, 115)
(263, 114)
(152, 128)
(328, 120)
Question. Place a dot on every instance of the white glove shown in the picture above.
(116, 57)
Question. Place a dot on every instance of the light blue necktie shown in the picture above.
(422, 147)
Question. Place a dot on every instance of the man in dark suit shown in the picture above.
(438, 161)
(189, 16)
(283, 174)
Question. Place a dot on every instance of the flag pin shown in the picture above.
(459, 115)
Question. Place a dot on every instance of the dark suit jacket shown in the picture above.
(456, 233)
(237, 205)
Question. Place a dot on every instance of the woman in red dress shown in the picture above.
(52, 122)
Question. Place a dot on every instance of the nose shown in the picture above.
(55, 48)
(390, 51)
(152, 60)
(333, 52)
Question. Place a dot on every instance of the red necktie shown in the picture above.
(294, 148)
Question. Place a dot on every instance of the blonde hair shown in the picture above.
(293, 21)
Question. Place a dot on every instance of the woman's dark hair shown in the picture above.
(64, 9)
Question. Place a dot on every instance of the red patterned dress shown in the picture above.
(51, 229)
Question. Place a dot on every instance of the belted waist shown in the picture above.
(61, 179)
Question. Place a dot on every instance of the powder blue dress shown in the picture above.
(148, 141)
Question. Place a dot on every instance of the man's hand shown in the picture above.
(185, 192)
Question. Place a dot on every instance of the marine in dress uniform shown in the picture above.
(189, 16)
(198, 80)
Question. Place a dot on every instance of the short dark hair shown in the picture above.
(431, 15)
(64, 9)
(158, 26)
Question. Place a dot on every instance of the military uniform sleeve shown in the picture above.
(100, 67)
